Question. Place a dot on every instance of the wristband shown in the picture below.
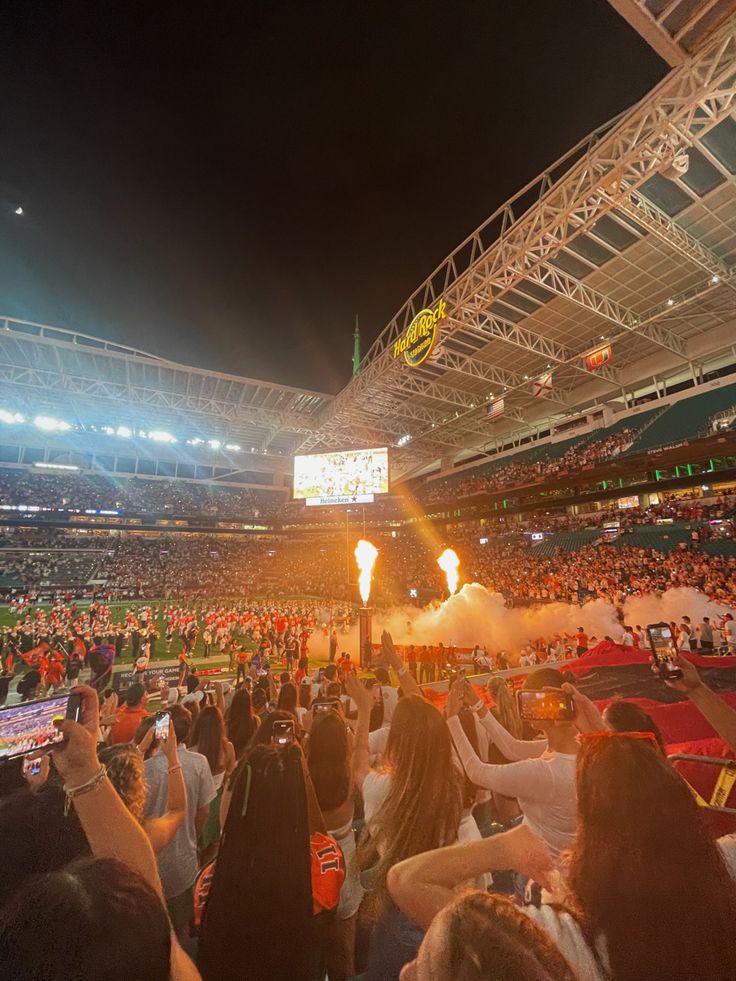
(402, 671)
(84, 788)
(177, 767)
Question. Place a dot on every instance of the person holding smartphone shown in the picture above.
(541, 775)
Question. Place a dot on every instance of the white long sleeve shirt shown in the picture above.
(544, 787)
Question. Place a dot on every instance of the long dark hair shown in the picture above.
(261, 890)
(97, 918)
(287, 697)
(240, 720)
(328, 760)
(645, 873)
(208, 735)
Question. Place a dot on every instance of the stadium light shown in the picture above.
(19, 210)
(50, 424)
(214, 443)
(56, 466)
(123, 432)
(10, 417)
(232, 446)
(159, 436)
(195, 442)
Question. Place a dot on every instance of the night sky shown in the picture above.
(229, 184)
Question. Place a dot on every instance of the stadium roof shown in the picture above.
(629, 239)
(88, 380)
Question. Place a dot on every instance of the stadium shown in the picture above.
(554, 408)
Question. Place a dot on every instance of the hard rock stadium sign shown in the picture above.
(419, 338)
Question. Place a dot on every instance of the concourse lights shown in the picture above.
(195, 442)
(50, 424)
(232, 446)
(158, 436)
(56, 466)
(215, 444)
(10, 417)
(123, 432)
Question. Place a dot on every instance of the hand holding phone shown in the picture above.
(161, 726)
(548, 705)
(663, 650)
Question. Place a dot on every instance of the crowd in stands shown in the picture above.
(135, 495)
(515, 473)
(316, 826)
(500, 555)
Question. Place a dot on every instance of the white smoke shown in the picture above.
(476, 616)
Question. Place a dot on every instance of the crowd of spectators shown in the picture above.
(316, 826)
(501, 554)
(136, 495)
(515, 473)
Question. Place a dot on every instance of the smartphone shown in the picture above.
(32, 767)
(161, 725)
(28, 727)
(554, 705)
(663, 650)
(283, 733)
(326, 705)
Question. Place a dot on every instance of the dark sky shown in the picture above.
(229, 184)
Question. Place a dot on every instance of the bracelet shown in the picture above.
(84, 788)
(177, 767)
(402, 671)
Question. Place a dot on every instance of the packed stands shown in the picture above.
(135, 495)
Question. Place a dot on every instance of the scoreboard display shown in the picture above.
(348, 477)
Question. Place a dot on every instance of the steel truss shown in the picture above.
(507, 249)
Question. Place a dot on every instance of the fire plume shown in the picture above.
(365, 555)
(450, 563)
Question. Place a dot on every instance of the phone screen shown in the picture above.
(663, 649)
(546, 706)
(327, 705)
(162, 725)
(283, 733)
(30, 726)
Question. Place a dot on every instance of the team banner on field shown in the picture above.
(495, 409)
(597, 359)
(542, 385)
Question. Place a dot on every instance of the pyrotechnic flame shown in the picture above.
(365, 555)
(450, 563)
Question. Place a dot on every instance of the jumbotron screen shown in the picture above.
(349, 477)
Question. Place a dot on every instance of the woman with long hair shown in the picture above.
(241, 720)
(412, 804)
(209, 738)
(329, 761)
(258, 918)
(645, 884)
(481, 935)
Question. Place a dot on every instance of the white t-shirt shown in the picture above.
(545, 788)
(565, 931)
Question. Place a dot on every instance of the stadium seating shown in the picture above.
(684, 420)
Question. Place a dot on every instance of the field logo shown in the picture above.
(420, 337)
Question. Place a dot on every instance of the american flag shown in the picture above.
(495, 409)
(542, 385)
